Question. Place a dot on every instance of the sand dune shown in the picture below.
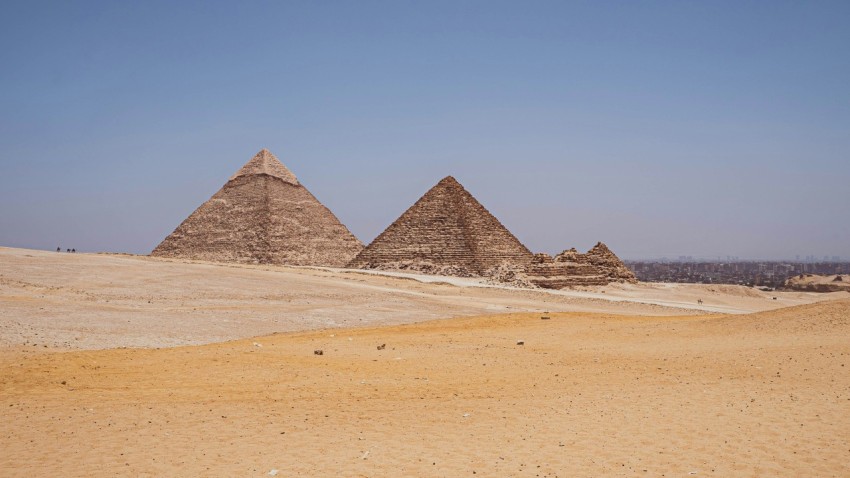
(615, 383)
(586, 395)
(92, 301)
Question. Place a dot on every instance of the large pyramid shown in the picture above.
(447, 231)
(263, 215)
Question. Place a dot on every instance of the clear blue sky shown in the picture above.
(660, 128)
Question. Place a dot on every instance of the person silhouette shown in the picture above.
(68, 250)
(58, 249)
(73, 251)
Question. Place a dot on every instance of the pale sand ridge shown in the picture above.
(94, 301)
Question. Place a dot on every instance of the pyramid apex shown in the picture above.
(600, 248)
(265, 162)
(448, 180)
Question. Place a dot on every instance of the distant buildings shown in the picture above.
(750, 273)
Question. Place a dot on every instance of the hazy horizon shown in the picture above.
(661, 129)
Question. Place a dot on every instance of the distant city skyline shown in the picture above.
(727, 258)
(752, 273)
(704, 129)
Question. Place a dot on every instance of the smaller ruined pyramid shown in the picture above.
(599, 266)
(263, 215)
(447, 231)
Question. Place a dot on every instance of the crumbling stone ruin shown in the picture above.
(448, 232)
(262, 215)
(599, 266)
(817, 283)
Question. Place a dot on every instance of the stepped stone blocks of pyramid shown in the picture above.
(599, 266)
(446, 232)
(263, 215)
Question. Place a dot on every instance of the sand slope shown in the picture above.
(92, 301)
(766, 394)
(653, 392)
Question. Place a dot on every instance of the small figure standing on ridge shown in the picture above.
(58, 249)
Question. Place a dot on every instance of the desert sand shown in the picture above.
(92, 301)
(619, 381)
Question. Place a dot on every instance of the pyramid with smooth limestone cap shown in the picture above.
(263, 215)
(447, 231)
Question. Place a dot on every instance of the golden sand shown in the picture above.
(766, 394)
